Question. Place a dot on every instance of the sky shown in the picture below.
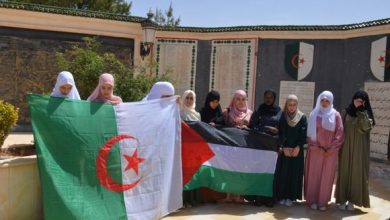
(222, 13)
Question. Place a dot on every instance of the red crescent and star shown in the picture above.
(101, 165)
(299, 58)
(381, 59)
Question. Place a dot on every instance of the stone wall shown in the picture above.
(28, 61)
(339, 65)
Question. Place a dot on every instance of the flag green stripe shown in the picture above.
(68, 135)
(387, 70)
(232, 182)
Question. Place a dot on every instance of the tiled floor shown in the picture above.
(379, 197)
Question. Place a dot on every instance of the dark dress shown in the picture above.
(264, 117)
(290, 169)
(209, 115)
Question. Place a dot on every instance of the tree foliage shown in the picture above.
(112, 6)
(8, 118)
(166, 18)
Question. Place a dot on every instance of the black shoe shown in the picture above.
(269, 204)
(258, 203)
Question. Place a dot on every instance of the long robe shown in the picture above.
(320, 169)
(353, 170)
(290, 170)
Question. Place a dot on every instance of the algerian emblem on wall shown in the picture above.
(380, 59)
(299, 59)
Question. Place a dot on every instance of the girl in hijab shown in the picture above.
(188, 113)
(104, 91)
(160, 90)
(238, 114)
(65, 86)
(325, 136)
(353, 169)
(187, 109)
(293, 126)
(211, 110)
(266, 119)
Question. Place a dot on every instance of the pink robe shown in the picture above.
(319, 169)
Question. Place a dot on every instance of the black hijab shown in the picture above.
(352, 110)
(207, 113)
(269, 110)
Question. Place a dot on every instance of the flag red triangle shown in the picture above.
(195, 151)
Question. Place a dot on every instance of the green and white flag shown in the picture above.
(299, 59)
(98, 161)
(380, 59)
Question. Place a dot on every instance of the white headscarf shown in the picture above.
(160, 89)
(64, 78)
(189, 113)
(328, 116)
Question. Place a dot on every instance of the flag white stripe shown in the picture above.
(160, 190)
(377, 49)
(243, 160)
(307, 51)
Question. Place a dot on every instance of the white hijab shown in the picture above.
(189, 113)
(64, 78)
(160, 89)
(328, 116)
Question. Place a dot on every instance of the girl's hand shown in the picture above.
(287, 151)
(295, 151)
(242, 126)
(212, 124)
(329, 153)
(273, 130)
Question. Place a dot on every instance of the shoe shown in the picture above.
(350, 206)
(282, 202)
(314, 206)
(258, 203)
(343, 206)
(288, 202)
(270, 204)
(323, 208)
(187, 205)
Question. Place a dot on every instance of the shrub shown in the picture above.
(86, 64)
(8, 118)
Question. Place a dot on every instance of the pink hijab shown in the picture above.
(96, 95)
(239, 116)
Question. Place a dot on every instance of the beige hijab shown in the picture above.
(188, 113)
(292, 118)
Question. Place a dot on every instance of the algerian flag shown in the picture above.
(97, 161)
(228, 159)
(299, 59)
(380, 59)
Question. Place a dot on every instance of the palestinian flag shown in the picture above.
(299, 59)
(228, 160)
(380, 59)
(98, 161)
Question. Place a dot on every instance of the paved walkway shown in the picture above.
(379, 196)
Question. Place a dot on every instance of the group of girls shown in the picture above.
(334, 140)
(65, 87)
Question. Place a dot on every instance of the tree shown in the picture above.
(86, 64)
(111, 6)
(167, 18)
